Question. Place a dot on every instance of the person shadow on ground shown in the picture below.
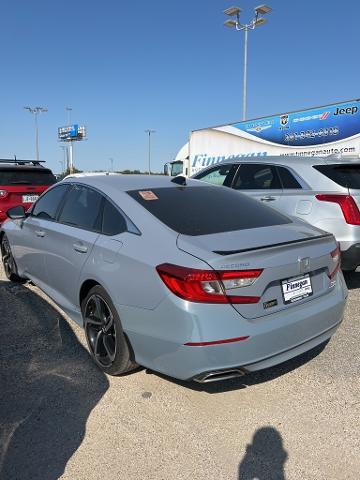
(48, 387)
(265, 457)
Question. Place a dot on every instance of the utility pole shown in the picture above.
(149, 132)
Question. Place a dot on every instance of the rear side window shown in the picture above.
(257, 177)
(19, 176)
(287, 178)
(82, 208)
(347, 175)
(113, 222)
(206, 210)
(220, 175)
(47, 205)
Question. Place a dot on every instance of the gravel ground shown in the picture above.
(60, 417)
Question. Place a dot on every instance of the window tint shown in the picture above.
(206, 210)
(82, 208)
(257, 177)
(19, 176)
(287, 179)
(113, 222)
(220, 175)
(347, 175)
(47, 206)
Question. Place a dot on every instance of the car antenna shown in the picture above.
(180, 180)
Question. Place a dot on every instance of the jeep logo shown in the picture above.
(346, 111)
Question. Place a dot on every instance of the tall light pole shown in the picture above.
(149, 132)
(65, 155)
(68, 110)
(35, 111)
(255, 22)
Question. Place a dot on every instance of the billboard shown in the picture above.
(319, 131)
(71, 133)
(315, 126)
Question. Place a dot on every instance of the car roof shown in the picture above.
(17, 166)
(131, 182)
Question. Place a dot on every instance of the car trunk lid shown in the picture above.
(295, 260)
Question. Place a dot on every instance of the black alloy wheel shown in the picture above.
(100, 330)
(8, 261)
(105, 337)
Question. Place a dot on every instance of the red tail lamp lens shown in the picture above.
(207, 286)
(347, 204)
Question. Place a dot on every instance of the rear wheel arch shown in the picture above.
(102, 324)
(85, 289)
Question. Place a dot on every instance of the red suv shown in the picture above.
(21, 183)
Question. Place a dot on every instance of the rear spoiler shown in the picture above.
(275, 245)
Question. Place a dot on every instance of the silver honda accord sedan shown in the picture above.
(188, 279)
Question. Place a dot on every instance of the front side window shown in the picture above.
(257, 177)
(220, 175)
(48, 204)
(82, 208)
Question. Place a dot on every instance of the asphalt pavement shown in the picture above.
(61, 417)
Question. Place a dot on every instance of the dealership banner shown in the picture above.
(321, 131)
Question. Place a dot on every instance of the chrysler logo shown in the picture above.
(304, 264)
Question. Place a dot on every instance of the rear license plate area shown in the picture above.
(29, 198)
(296, 288)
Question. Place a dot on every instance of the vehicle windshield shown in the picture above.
(206, 210)
(176, 168)
(18, 176)
(345, 175)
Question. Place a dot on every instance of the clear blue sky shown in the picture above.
(124, 66)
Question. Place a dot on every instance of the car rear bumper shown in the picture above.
(273, 339)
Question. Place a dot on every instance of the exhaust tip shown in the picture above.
(219, 375)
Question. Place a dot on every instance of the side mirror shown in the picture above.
(16, 213)
(166, 169)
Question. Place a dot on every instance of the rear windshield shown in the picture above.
(18, 176)
(347, 175)
(206, 210)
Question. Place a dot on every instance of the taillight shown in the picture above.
(347, 204)
(336, 258)
(3, 193)
(207, 286)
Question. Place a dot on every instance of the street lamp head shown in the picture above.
(231, 11)
(230, 23)
(262, 9)
(260, 21)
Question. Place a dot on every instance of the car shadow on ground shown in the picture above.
(265, 457)
(48, 387)
(352, 279)
(249, 379)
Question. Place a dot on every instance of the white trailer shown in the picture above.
(319, 131)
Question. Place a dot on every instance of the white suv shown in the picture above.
(323, 191)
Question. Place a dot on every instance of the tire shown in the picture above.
(9, 263)
(105, 337)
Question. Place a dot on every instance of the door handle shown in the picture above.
(80, 248)
(268, 198)
(40, 233)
